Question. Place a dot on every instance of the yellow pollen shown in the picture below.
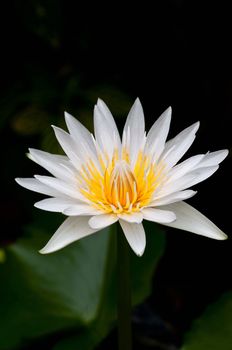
(118, 188)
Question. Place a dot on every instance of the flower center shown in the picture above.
(116, 187)
(121, 187)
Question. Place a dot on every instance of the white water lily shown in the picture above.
(103, 179)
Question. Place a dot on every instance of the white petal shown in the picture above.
(79, 152)
(82, 138)
(190, 219)
(136, 217)
(61, 159)
(54, 204)
(188, 180)
(134, 129)
(173, 197)
(61, 186)
(57, 167)
(158, 215)
(101, 221)
(36, 186)
(158, 133)
(135, 236)
(202, 174)
(213, 158)
(79, 132)
(105, 129)
(110, 119)
(80, 209)
(175, 186)
(71, 230)
(184, 167)
(69, 146)
(179, 145)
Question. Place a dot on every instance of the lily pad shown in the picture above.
(70, 294)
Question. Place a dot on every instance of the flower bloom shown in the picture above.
(103, 179)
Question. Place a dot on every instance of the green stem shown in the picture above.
(124, 292)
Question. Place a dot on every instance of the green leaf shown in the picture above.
(70, 293)
(44, 294)
(142, 270)
(213, 330)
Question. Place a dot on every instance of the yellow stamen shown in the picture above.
(118, 188)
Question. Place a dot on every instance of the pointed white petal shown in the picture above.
(100, 221)
(80, 209)
(68, 145)
(83, 139)
(188, 180)
(57, 167)
(136, 217)
(71, 230)
(179, 145)
(202, 174)
(79, 132)
(158, 215)
(110, 119)
(54, 204)
(183, 168)
(135, 236)
(213, 158)
(61, 186)
(135, 128)
(105, 129)
(182, 135)
(158, 133)
(174, 197)
(190, 219)
(36, 186)
(175, 186)
(61, 159)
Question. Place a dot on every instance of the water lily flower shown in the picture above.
(103, 179)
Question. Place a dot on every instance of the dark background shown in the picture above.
(60, 55)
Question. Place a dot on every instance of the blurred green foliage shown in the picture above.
(2, 256)
(213, 330)
(69, 297)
